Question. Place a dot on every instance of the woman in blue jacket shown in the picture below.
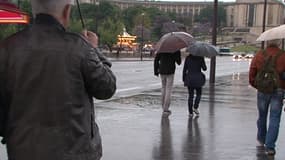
(194, 79)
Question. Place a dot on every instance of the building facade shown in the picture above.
(89, 1)
(243, 16)
(249, 13)
(184, 9)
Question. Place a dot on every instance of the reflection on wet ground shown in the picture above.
(132, 128)
(164, 149)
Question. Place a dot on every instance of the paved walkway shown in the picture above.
(132, 128)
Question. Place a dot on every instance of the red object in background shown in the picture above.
(10, 14)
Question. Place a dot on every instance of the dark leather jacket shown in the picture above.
(48, 80)
(164, 63)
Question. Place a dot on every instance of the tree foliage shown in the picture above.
(107, 20)
(7, 30)
(109, 30)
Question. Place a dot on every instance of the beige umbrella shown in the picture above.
(174, 41)
(272, 34)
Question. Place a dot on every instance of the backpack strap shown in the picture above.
(275, 57)
(268, 58)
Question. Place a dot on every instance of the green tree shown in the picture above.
(153, 20)
(130, 14)
(104, 19)
(25, 6)
(7, 30)
(109, 30)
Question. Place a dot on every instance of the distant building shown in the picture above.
(247, 16)
(250, 13)
(243, 16)
(183, 9)
(89, 1)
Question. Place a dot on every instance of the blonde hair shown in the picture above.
(54, 7)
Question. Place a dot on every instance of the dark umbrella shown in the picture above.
(203, 49)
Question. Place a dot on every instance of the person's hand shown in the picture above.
(91, 37)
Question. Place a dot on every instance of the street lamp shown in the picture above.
(214, 42)
(264, 21)
(142, 40)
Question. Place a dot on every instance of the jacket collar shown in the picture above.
(48, 20)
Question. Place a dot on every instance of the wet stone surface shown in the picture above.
(133, 128)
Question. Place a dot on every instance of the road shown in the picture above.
(136, 76)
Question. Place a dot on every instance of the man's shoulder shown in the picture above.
(79, 40)
(76, 37)
(13, 37)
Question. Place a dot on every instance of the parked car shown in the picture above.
(224, 51)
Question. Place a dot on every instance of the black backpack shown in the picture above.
(267, 78)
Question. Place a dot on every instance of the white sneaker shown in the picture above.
(196, 111)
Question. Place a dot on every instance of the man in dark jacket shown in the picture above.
(164, 64)
(48, 80)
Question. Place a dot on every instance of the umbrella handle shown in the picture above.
(80, 15)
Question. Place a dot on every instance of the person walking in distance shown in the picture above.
(49, 78)
(194, 79)
(164, 65)
(268, 100)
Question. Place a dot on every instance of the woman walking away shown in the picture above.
(194, 79)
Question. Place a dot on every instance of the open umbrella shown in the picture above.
(11, 14)
(203, 49)
(272, 34)
(174, 41)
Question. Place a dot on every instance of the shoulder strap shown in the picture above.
(278, 54)
(268, 58)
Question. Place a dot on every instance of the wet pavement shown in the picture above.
(132, 128)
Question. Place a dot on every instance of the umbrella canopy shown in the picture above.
(203, 49)
(174, 41)
(272, 34)
(10, 14)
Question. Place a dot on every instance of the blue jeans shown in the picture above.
(272, 102)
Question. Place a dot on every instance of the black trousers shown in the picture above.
(191, 91)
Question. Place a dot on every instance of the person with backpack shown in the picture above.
(265, 73)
